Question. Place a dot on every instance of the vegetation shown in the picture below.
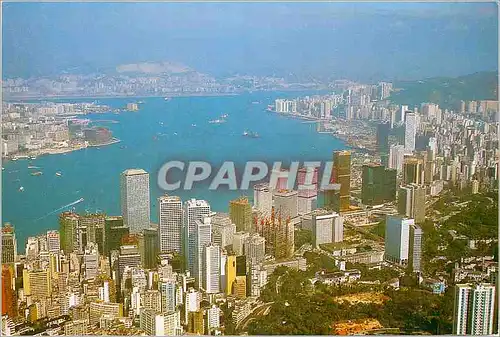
(447, 92)
(301, 237)
(301, 308)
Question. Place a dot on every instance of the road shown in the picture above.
(262, 309)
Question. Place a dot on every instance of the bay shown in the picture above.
(161, 131)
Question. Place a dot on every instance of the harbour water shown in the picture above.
(160, 131)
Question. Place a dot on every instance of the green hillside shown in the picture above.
(447, 92)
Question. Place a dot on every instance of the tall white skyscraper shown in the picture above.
(134, 186)
(396, 157)
(194, 210)
(402, 113)
(203, 238)
(397, 236)
(262, 198)
(254, 248)
(91, 261)
(211, 269)
(473, 309)
(170, 224)
(410, 131)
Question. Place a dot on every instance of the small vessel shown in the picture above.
(161, 123)
(14, 158)
(217, 121)
(21, 189)
(250, 134)
(32, 157)
(58, 174)
(175, 133)
(255, 102)
(193, 125)
(37, 173)
(167, 98)
(33, 167)
(3, 168)
(224, 116)
(140, 102)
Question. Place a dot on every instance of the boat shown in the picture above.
(58, 174)
(193, 125)
(140, 102)
(167, 98)
(175, 133)
(250, 134)
(14, 158)
(32, 157)
(255, 102)
(33, 167)
(224, 116)
(21, 189)
(217, 121)
(37, 173)
(3, 168)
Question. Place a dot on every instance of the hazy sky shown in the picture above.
(360, 41)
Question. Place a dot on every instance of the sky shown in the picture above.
(359, 41)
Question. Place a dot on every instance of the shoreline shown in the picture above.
(169, 95)
(345, 138)
(55, 151)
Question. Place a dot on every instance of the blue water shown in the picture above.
(94, 174)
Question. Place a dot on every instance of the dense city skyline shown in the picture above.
(250, 169)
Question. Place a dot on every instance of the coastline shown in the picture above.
(170, 95)
(346, 138)
(55, 151)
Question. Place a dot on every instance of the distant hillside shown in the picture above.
(153, 68)
(447, 92)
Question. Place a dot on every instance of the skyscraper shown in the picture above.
(378, 184)
(114, 231)
(411, 202)
(8, 300)
(194, 210)
(68, 224)
(203, 238)
(53, 241)
(170, 223)
(383, 130)
(413, 170)
(262, 198)
(403, 242)
(222, 229)
(255, 248)
(397, 238)
(286, 202)
(396, 157)
(410, 131)
(341, 174)
(134, 187)
(9, 244)
(473, 309)
(211, 269)
(307, 190)
(150, 249)
(240, 212)
(230, 273)
(327, 227)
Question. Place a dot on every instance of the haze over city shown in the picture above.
(359, 41)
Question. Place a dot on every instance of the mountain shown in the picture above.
(153, 68)
(446, 91)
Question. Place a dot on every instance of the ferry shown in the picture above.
(58, 174)
(21, 189)
(37, 173)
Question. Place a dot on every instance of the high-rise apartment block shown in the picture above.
(134, 186)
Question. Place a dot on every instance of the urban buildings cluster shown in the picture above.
(102, 274)
(142, 80)
(32, 129)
